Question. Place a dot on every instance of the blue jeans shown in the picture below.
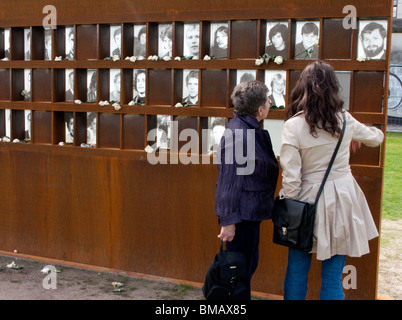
(297, 274)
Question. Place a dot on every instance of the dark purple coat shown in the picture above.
(247, 197)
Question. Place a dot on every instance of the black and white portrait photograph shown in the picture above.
(163, 131)
(245, 75)
(219, 40)
(69, 43)
(165, 42)
(27, 116)
(140, 40)
(191, 46)
(190, 87)
(91, 85)
(69, 85)
(277, 39)
(27, 43)
(139, 86)
(69, 124)
(8, 122)
(275, 128)
(307, 39)
(114, 85)
(344, 83)
(27, 81)
(91, 127)
(216, 127)
(7, 43)
(372, 39)
(275, 80)
(48, 44)
(115, 41)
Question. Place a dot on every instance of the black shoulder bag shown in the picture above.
(294, 220)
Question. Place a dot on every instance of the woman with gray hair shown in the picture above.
(244, 197)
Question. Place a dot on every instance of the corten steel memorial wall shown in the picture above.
(75, 182)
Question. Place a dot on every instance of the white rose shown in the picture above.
(177, 58)
(115, 57)
(259, 62)
(178, 105)
(78, 101)
(278, 60)
(116, 106)
(207, 57)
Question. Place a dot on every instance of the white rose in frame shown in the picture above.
(278, 60)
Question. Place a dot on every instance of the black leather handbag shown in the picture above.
(294, 220)
(226, 277)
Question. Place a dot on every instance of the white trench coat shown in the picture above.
(343, 223)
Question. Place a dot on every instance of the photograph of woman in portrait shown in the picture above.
(165, 43)
(7, 43)
(91, 127)
(277, 39)
(69, 85)
(91, 85)
(139, 86)
(275, 80)
(245, 75)
(115, 41)
(114, 85)
(219, 40)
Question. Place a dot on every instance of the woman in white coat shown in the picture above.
(343, 223)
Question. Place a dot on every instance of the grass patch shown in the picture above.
(392, 193)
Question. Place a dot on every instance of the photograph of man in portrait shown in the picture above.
(69, 43)
(191, 47)
(277, 39)
(91, 85)
(7, 43)
(27, 44)
(140, 40)
(69, 84)
(48, 44)
(372, 39)
(307, 39)
(219, 40)
(245, 75)
(190, 87)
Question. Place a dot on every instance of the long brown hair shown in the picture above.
(317, 94)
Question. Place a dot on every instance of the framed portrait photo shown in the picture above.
(48, 44)
(163, 131)
(91, 85)
(190, 87)
(307, 39)
(245, 75)
(216, 128)
(165, 41)
(140, 40)
(8, 122)
(277, 39)
(114, 85)
(69, 127)
(69, 85)
(219, 40)
(27, 124)
(91, 127)
(139, 86)
(27, 44)
(275, 128)
(7, 43)
(27, 80)
(275, 80)
(191, 43)
(344, 78)
(70, 44)
(372, 39)
(115, 41)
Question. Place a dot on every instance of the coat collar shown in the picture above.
(249, 120)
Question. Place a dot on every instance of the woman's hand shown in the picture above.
(227, 232)
(355, 145)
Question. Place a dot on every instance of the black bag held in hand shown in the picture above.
(226, 277)
(294, 220)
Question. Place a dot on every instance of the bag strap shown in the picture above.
(332, 160)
